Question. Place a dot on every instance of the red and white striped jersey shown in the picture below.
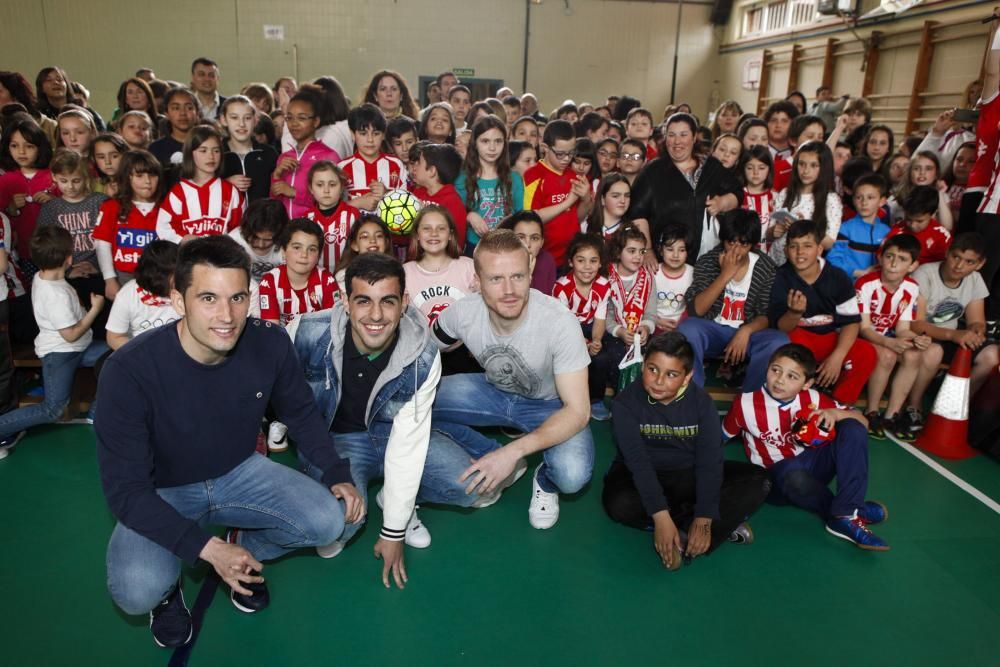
(586, 308)
(763, 205)
(201, 210)
(886, 309)
(386, 169)
(279, 301)
(985, 174)
(336, 229)
(765, 423)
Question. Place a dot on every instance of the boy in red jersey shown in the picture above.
(298, 286)
(370, 172)
(554, 192)
(434, 168)
(920, 207)
(801, 469)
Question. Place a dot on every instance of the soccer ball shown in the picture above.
(397, 209)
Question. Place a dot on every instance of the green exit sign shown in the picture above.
(464, 71)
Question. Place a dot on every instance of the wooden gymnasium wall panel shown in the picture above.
(894, 80)
(848, 77)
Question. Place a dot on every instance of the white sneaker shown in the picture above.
(277, 437)
(543, 512)
(417, 535)
(490, 499)
(331, 550)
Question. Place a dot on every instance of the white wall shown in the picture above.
(602, 48)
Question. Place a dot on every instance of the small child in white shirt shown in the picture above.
(673, 278)
(64, 341)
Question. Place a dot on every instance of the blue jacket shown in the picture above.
(400, 404)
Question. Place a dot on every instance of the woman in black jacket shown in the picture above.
(683, 186)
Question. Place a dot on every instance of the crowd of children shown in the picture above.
(808, 256)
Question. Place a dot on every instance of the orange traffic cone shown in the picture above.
(946, 432)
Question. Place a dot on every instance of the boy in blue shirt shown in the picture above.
(859, 238)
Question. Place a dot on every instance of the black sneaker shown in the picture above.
(899, 426)
(260, 598)
(916, 420)
(7, 444)
(875, 425)
(251, 603)
(170, 621)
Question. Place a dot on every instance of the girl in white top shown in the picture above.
(258, 233)
(144, 304)
(810, 196)
(437, 275)
(673, 277)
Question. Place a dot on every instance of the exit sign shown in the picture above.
(464, 71)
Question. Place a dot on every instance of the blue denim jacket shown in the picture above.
(319, 342)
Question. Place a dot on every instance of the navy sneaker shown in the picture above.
(170, 621)
(742, 534)
(251, 603)
(259, 598)
(853, 529)
(7, 444)
(599, 411)
(873, 512)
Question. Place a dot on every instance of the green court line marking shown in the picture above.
(947, 474)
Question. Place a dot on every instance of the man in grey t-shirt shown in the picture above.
(535, 361)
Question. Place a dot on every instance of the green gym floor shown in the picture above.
(493, 591)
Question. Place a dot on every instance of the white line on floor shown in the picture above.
(948, 475)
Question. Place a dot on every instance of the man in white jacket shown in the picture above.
(374, 372)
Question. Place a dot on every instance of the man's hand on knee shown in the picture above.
(354, 504)
(487, 473)
(234, 564)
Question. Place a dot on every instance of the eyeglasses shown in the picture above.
(608, 154)
(633, 156)
(561, 155)
(295, 120)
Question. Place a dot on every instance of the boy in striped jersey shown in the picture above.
(801, 470)
(370, 172)
(888, 302)
(298, 286)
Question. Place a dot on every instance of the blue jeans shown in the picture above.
(804, 481)
(276, 508)
(445, 463)
(709, 340)
(58, 371)
(470, 400)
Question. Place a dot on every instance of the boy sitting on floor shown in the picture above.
(802, 464)
(670, 475)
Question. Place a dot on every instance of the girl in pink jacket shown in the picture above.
(290, 181)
